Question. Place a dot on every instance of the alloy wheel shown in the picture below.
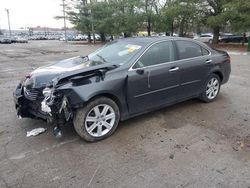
(212, 88)
(100, 120)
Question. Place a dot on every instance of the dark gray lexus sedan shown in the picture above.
(125, 78)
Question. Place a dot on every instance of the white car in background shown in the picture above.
(97, 37)
(20, 40)
(206, 37)
(81, 37)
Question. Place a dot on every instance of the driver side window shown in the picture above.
(159, 53)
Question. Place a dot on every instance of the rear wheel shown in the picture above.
(211, 88)
(97, 120)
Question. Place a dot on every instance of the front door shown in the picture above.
(153, 81)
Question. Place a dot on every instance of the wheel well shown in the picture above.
(219, 74)
(110, 96)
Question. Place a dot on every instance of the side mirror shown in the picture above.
(140, 71)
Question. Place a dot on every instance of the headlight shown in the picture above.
(47, 92)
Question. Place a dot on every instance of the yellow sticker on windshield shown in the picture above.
(132, 47)
(131, 50)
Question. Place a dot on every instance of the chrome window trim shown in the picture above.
(170, 62)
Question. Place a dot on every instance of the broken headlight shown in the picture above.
(47, 91)
(48, 94)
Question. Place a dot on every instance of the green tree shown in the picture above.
(239, 15)
(179, 14)
(108, 17)
(215, 15)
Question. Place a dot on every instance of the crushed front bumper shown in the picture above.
(58, 112)
(26, 107)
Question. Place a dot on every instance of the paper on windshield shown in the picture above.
(130, 48)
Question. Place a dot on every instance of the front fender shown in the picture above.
(79, 95)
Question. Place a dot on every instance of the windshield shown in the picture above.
(117, 52)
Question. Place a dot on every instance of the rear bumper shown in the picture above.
(226, 72)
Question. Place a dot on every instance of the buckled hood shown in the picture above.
(44, 75)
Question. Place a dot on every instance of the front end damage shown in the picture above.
(49, 105)
(52, 103)
(57, 107)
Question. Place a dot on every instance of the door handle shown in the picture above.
(208, 61)
(174, 69)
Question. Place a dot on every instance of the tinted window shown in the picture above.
(158, 53)
(188, 49)
(205, 51)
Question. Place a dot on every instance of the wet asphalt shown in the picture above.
(191, 144)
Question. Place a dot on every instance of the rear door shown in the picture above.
(195, 63)
(153, 80)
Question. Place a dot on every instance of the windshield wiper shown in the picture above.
(102, 58)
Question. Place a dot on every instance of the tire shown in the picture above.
(210, 41)
(210, 95)
(93, 124)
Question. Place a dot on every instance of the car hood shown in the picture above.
(44, 75)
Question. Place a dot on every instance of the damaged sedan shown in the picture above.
(123, 79)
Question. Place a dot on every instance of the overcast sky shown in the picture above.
(31, 13)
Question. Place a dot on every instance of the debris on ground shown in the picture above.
(171, 156)
(35, 132)
(242, 143)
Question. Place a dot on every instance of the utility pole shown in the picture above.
(8, 15)
(92, 26)
(64, 19)
(93, 30)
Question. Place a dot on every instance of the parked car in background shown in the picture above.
(109, 38)
(206, 37)
(81, 37)
(233, 39)
(97, 37)
(123, 79)
(69, 38)
(18, 39)
(5, 40)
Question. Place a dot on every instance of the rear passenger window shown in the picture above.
(188, 49)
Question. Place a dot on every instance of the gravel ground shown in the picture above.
(191, 144)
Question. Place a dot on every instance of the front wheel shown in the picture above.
(211, 88)
(97, 120)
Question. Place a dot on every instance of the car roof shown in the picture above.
(148, 40)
